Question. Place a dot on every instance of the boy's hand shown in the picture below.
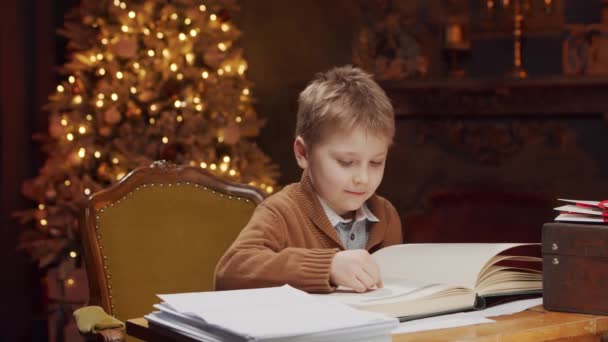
(355, 269)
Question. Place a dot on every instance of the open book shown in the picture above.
(430, 279)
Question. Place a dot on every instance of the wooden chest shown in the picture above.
(575, 267)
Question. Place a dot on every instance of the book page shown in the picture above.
(530, 260)
(495, 279)
(591, 203)
(579, 218)
(403, 297)
(457, 264)
(568, 209)
(393, 290)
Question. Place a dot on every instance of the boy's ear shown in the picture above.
(301, 152)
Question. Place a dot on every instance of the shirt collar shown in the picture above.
(363, 213)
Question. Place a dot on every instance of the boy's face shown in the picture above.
(345, 168)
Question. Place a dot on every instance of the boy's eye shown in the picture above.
(377, 163)
(345, 162)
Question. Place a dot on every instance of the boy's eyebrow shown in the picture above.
(355, 154)
(380, 155)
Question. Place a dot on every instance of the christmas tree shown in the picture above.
(146, 80)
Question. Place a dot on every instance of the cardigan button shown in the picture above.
(352, 236)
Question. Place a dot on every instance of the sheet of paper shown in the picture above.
(507, 308)
(194, 333)
(272, 312)
(466, 318)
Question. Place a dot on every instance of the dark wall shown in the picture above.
(533, 158)
(286, 43)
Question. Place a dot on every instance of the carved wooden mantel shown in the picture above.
(557, 95)
(473, 150)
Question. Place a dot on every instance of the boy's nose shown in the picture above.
(361, 177)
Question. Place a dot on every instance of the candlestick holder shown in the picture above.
(456, 37)
(518, 70)
(456, 48)
(516, 14)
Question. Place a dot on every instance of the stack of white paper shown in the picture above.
(268, 314)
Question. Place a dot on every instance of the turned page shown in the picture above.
(498, 280)
(456, 264)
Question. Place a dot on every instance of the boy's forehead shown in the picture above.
(353, 135)
(355, 142)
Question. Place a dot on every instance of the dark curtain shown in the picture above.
(28, 54)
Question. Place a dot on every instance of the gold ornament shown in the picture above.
(132, 110)
(50, 193)
(232, 134)
(39, 214)
(146, 96)
(102, 170)
(126, 48)
(214, 58)
(105, 131)
(55, 129)
(112, 116)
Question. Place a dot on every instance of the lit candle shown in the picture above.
(453, 35)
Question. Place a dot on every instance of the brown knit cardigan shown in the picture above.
(289, 240)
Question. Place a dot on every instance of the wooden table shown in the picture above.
(534, 324)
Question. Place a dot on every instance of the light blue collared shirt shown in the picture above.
(353, 235)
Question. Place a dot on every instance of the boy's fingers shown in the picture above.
(358, 285)
(366, 279)
(372, 269)
(370, 278)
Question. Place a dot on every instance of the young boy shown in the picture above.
(317, 234)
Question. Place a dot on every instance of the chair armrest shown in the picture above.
(107, 335)
(95, 324)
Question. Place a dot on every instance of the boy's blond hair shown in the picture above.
(341, 99)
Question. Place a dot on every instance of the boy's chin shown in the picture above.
(352, 207)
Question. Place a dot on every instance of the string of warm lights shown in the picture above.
(155, 80)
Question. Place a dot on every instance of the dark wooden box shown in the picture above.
(575, 267)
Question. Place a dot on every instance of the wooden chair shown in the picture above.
(161, 229)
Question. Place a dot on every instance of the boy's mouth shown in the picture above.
(356, 193)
